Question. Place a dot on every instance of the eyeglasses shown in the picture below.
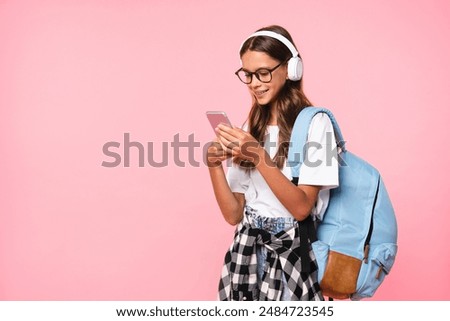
(262, 74)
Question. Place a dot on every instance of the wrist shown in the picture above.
(214, 164)
(261, 155)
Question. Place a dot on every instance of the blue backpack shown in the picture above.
(356, 242)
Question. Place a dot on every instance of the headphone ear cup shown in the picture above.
(295, 69)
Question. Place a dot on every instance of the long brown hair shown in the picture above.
(289, 102)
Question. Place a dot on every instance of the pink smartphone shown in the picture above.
(218, 117)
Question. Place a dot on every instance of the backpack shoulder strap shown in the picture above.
(299, 136)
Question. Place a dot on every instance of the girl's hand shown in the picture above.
(216, 154)
(239, 143)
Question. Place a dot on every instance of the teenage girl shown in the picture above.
(264, 261)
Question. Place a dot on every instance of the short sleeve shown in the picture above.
(320, 166)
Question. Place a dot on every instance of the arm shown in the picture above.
(231, 204)
(298, 200)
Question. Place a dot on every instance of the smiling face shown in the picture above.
(264, 93)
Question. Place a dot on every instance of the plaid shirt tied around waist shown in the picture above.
(239, 280)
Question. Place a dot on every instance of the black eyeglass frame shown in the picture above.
(256, 73)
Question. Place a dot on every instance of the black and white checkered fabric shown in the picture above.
(239, 279)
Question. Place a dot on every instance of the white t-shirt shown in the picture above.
(321, 169)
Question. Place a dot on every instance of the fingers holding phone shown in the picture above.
(227, 137)
(216, 154)
(239, 143)
(217, 151)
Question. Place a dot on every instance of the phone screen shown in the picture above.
(218, 117)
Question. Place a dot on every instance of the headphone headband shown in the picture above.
(277, 36)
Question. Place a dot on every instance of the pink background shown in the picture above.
(77, 74)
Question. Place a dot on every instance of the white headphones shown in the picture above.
(295, 65)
